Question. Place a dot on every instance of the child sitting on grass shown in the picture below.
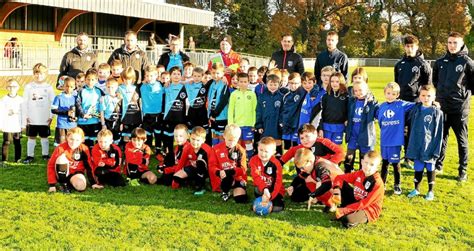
(137, 158)
(106, 160)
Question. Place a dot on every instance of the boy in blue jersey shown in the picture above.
(242, 111)
(360, 130)
(269, 108)
(310, 100)
(218, 100)
(64, 107)
(88, 108)
(111, 109)
(131, 106)
(175, 108)
(103, 73)
(391, 116)
(197, 96)
(291, 105)
(424, 144)
(152, 93)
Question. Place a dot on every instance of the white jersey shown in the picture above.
(38, 98)
(11, 112)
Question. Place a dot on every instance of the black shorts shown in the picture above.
(114, 127)
(112, 178)
(152, 123)
(90, 131)
(128, 129)
(239, 184)
(34, 130)
(60, 135)
(68, 179)
(218, 126)
(168, 127)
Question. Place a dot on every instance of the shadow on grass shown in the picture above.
(32, 178)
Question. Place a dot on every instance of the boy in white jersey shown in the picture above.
(38, 97)
(13, 120)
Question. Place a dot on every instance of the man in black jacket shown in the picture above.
(131, 55)
(175, 57)
(286, 57)
(453, 76)
(331, 56)
(79, 59)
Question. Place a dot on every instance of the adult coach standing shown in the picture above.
(453, 76)
(286, 57)
(80, 59)
(175, 57)
(131, 55)
(332, 57)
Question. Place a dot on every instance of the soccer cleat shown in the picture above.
(413, 193)
(397, 190)
(45, 157)
(429, 196)
(200, 192)
(462, 177)
(133, 182)
(28, 160)
(225, 196)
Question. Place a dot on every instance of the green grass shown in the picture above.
(155, 217)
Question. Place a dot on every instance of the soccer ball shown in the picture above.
(261, 208)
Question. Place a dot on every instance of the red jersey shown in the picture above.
(323, 148)
(267, 176)
(137, 157)
(189, 157)
(368, 191)
(178, 152)
(110, 159)
(225, 159)
(79, 161)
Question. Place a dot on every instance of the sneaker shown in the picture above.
(64, 189)
(225, 196)
(134, 182)
(28, 160)
(200, 192)
(45, 157)
(429, 196)
(397, 190)
(462, 177)
(413, 193)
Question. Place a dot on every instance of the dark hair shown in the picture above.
(342, 83)
(332, 33)
(242, 75)
(91, 71)
(455, 34)
(410, 39)
(175, 68)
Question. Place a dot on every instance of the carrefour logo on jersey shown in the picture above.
(389, 114)
(359, 111)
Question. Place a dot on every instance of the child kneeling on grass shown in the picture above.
(267, 174)
(228, 168)
(360, 193)
(106, 160)
(194, 161)
(137, 156)
(69, 163)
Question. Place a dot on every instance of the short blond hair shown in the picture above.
(393, 86)
(199, 131)
(232, 130)
(373, 155)
(328, 68)
(105, 133)
(218, 67)
(40, 68)
(181, 127)
(267, 141)
(75, 131)
(303, 156)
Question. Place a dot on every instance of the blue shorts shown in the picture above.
(353, 145)
(247, 133)
(391, 153)
(420, 165)
(335, 137)
(292, 137)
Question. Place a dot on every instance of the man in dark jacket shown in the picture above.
(79, 59)
(332, 57)
(175, 57)
(453, 76)
(131, 55)
(286, 57)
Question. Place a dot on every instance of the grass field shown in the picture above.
(155, 217)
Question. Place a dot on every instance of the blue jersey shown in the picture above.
(88, 102)
(176, 102)
(310, 100)
(111, 106)
(101, 84)
(218, 99)
(269, 108)
(131, 110)
(357, 118)
(391, 117)
(63, 103)
(426, 134)
(152, 98)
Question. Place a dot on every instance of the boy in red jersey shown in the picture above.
(228, 168)
(137, 158)
(170, 162)
(321, 147)
(193, 162)
(360, 193)
(267, 174)
(69, 163)
(106, 159)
